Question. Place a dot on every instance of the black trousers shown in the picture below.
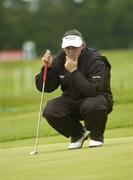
(65, 114)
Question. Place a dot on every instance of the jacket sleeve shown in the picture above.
(92, 85)
(52, 80)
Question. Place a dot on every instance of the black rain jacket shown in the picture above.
(92, 78)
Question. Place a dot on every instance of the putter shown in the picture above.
(40, 112)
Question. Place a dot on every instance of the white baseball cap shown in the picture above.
(71, 40)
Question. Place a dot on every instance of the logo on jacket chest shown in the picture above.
(61, 76)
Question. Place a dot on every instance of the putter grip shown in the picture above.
(45, 71)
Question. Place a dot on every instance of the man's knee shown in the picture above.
(52, 111)
(87, 108)
(93, 104)
(47, 111)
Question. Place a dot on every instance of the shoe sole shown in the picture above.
(95, 146)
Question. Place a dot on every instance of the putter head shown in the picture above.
(33, 153)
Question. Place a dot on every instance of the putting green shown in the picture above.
(113, 161)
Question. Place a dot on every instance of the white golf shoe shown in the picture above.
(78, 144)
(94, 143)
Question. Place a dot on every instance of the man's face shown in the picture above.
(73, 52)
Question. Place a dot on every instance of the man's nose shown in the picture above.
(70, 49)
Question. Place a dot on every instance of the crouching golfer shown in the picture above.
(84, 77)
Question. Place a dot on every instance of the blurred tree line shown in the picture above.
(104, 23)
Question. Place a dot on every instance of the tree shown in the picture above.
(105, 23)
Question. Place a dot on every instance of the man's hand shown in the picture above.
(71, 64)
(47, 58)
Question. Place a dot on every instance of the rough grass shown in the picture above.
(19, 100)
(22, 124)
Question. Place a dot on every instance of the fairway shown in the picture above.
(113, 161)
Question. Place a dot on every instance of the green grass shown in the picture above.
(110, 133)
(122, 73)
(19, 108)
(113, 161)
(19, 99)
(22, 124)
